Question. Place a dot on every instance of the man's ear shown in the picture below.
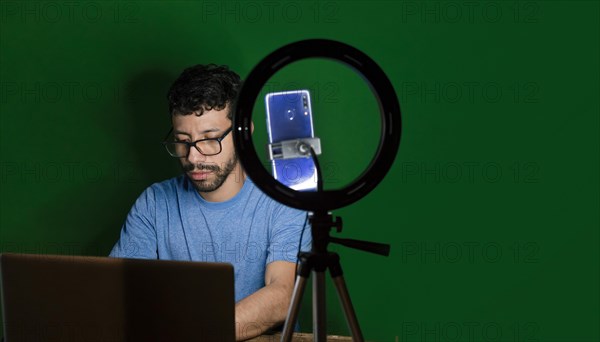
(251, 127)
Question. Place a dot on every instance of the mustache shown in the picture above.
(201, 167)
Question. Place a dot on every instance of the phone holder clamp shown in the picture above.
(295, 148)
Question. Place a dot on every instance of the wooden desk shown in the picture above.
(299, 337)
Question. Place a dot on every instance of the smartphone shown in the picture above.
(289, 117)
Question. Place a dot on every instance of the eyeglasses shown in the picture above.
(208, 147)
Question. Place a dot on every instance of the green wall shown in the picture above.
(491, 207)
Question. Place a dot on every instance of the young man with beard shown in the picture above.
(213, 211)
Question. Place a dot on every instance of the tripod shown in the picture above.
(318, 260)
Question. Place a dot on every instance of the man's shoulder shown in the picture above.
(168, 187)
(274, 207)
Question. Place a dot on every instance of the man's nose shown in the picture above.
(194, 156)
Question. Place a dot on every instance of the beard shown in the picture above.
(219, 174)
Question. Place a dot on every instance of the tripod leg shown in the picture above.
(340, 285)
(292, 316)
(319, 307)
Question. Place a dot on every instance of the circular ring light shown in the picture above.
(390, 124)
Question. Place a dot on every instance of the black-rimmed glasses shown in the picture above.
(208, 146)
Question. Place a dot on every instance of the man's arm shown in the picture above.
(138, 234)
(268, 306)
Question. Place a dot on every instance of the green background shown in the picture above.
(491, 206)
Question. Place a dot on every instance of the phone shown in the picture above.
(289, 117)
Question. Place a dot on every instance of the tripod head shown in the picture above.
(321, 224)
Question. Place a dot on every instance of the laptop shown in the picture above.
(75, 298)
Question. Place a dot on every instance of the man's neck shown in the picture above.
(231, 187)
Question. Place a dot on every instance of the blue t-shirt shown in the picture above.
(171, 221)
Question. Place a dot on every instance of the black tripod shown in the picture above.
(317, 261)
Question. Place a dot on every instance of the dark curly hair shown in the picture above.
(203, 88)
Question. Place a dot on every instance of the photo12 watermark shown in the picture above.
(468, 12)
(469, 331)
(45, 248)
(52, 92)
(470, 92)
(469, 252)
(62, 92)
(30, 172)
(69, 12)
(467, 172)
(94, 92)
(320, 91)
(234, 252)
(268, 12)
(61, 331)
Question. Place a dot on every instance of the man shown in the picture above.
(214, 212)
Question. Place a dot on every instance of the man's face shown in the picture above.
(207, 173)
